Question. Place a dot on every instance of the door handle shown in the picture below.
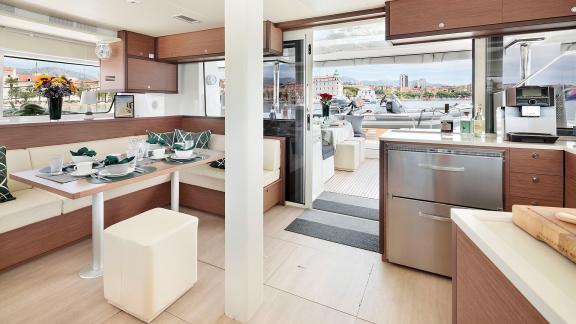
(434, 217)
(441, 168)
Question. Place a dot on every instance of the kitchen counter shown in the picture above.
(490, 140)
(545, 278)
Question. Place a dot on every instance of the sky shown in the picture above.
(18, 63)
(448, 73)
(460, 72)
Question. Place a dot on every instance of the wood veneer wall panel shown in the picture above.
(22, 136)
(36, 239)
(482, 293)
(570, 180)
(199, 123)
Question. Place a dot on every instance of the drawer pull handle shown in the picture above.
(434, 217)
(441, 25)
(573, 9)
(441, 168)
(535, 203)
(535, 155)
(535, 179)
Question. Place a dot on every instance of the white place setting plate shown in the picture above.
(106, 173)
(174, 157)
(83, 174)
(159, 157)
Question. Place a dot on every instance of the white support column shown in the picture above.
(244, 140)
(175, 191)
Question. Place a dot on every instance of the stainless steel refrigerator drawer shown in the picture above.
(418, 235)
(468, 178)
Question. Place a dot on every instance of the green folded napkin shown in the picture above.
(111, 160)
(84, 152)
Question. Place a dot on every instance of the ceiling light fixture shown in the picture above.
(133, 1)
(103, 50)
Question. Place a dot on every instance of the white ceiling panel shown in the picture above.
(154, 17)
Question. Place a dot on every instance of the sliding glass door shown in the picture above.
(284, 112)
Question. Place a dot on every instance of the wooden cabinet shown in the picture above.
(417, 16)
(536, 177)
(204, 43)
(140, 46)
(570, 180)
(481, 293)
(413, 21)
(209, 44)
(537, 161)
(131, 68)
(522, 10)
(147, 75)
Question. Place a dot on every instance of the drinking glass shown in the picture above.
(56, 164)
(142, 150)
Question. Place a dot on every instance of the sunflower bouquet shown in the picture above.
(54, 87)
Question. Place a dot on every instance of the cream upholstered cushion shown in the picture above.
(347, 156)
(150, 261)
(327, 168)
(17, 160)
(40, 156)
(217, 142)
(271, 154)
(70, 205)
(30, 206)
(271, 150)
(208, 177)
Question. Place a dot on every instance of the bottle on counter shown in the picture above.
(479, 122)
(466, 125)
(446, 122)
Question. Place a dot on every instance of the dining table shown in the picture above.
(83, 187)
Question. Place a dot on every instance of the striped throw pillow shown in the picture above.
(5, 194)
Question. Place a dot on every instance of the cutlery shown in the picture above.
(99, 177)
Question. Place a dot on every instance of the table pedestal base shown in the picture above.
(95, 269)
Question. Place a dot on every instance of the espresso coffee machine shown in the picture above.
(526, 114)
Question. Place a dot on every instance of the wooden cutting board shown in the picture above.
(541, 223)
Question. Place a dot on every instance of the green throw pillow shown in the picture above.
(201, 139)
(166, 139)
(5, 194)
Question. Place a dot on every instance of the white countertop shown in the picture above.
(434, 137)
(545, 277)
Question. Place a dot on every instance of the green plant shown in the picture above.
(31, 109)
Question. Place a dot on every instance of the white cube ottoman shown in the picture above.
(150, 260)
(347, 156)
(361, 145)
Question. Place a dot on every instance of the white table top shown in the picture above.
(491, 140)
(545, 277)
(83, 188)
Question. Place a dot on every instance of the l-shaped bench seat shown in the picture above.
(38, 221)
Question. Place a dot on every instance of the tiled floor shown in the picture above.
(362, 182)
(307, 280)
